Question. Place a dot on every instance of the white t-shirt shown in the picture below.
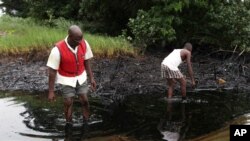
(54, 62)
(173, 60)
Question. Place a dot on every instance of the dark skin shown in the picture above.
(74, 38)
(185, 56)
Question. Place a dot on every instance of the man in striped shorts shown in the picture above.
(170, 70)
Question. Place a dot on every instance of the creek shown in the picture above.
(151, 117)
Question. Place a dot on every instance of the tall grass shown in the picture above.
(110, 46)
(23, 35)
(19, 36)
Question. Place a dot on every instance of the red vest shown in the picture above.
(70, 65)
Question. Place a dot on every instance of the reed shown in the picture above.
(20, 36)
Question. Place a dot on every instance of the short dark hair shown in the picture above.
(188, 46)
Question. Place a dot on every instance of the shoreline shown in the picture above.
(127, 75)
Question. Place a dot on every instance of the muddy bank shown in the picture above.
(126, 75)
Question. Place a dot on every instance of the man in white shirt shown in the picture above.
(69, 65)
(170, 70)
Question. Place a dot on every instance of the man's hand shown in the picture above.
(51, 96)
(93, 84)
(193, 84)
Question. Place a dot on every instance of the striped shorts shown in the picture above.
(167, 73)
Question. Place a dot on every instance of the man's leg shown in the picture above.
(85, 106)
(68, 93)
(183, 84)
(82, 91)
(68, 104)
(171, 84)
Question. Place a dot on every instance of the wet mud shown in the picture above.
(125, 75)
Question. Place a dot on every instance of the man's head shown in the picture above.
(188, 46)
(74, 35)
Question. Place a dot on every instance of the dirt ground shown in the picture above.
(125, 75)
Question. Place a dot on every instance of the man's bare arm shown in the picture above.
(52, 77)
(90, 74)
(189, 66)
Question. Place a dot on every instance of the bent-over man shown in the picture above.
(170, 70)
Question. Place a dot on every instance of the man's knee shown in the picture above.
(171, 82)
(182, 81)
(85, 103)
(84, 100)
(68, 102)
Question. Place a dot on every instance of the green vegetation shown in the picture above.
(110, 46)
(20, 36)
(211, 25)
(219, 24)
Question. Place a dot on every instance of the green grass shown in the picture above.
(110, 46)
(20, 36)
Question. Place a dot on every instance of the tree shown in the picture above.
(230, 25)
(223, 24)
(15, 7)
(160, 22)
(112, 16)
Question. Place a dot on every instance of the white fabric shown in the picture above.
(54, 62)
(170, 136)
(173, 60)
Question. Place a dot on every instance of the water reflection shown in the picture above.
(143, 117)
(175, 122)
(12, 126)
(73, 132)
